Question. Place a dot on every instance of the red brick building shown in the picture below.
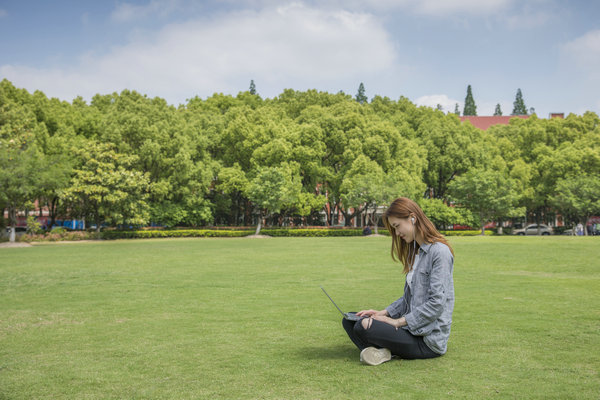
(485, 122)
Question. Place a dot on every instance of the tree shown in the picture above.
(456, 109)
(20, 177)
(271, 189)
(360, 96)
(578, 197)
(442, 215)
(519, 104)
(252, 89)
(498, 110)
(487, 193)
(307, 203)
(107, 189)
(22, 163)
(470, 107)
(452, 149)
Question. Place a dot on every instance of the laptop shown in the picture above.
(350, 316)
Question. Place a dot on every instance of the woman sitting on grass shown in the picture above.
(417, 325)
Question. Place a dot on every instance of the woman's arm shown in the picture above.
(431, 300)
(371, 313)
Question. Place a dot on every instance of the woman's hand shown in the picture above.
(371, 313)
(397, 323)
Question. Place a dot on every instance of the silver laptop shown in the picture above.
(350, 316)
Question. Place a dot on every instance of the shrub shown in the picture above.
(149, 234)
(296, 232)
(59, 234)
(33, 226)
(277, 232)
(58, 230)
(466, 233)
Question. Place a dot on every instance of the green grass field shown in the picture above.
(245, 318)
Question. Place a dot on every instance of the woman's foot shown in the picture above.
(375, 356)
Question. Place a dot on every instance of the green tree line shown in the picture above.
(126, 159)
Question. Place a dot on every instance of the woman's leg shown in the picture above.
(349, 327)
(369, 332)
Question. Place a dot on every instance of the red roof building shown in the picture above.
(484, 123)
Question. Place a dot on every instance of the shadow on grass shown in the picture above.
(341, 351)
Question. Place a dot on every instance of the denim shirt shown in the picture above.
(428, 302)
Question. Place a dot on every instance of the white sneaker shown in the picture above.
(375, 356)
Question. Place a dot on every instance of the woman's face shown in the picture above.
(403, 227)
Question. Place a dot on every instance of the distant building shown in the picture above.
(485, 122)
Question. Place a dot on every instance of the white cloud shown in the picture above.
(584, 53)
(281, 47)
(438, 8)
(433, 100)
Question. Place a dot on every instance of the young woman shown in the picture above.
(417, 325)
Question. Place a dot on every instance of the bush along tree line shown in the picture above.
(129, 160)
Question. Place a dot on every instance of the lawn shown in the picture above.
(245, 318)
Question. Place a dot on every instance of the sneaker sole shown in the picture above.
(374, 356)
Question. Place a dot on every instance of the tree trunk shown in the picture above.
(482, 229)
(52, 206)
(375, 220)
(97, 217)
(12, 220)
(259, 224)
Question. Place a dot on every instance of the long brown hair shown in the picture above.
(403, 207)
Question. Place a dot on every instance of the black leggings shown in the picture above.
(379, 334)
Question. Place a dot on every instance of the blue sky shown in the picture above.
(427, 50)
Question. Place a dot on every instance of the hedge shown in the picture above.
(294, 232)
(147, 234)
(311, 232)
(467, 233)
(174, 233)
(57, 235)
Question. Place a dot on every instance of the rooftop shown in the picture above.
(485, 122)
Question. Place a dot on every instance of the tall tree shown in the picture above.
(578, 197)
(272, 189)
(519, 104)
(498, 110)
(452, 149)
(361, 97)
(20, 176)
(456, 109)
(366, 187)
(488, 194)
(470, 107)
(107, 189)
(252, 89)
